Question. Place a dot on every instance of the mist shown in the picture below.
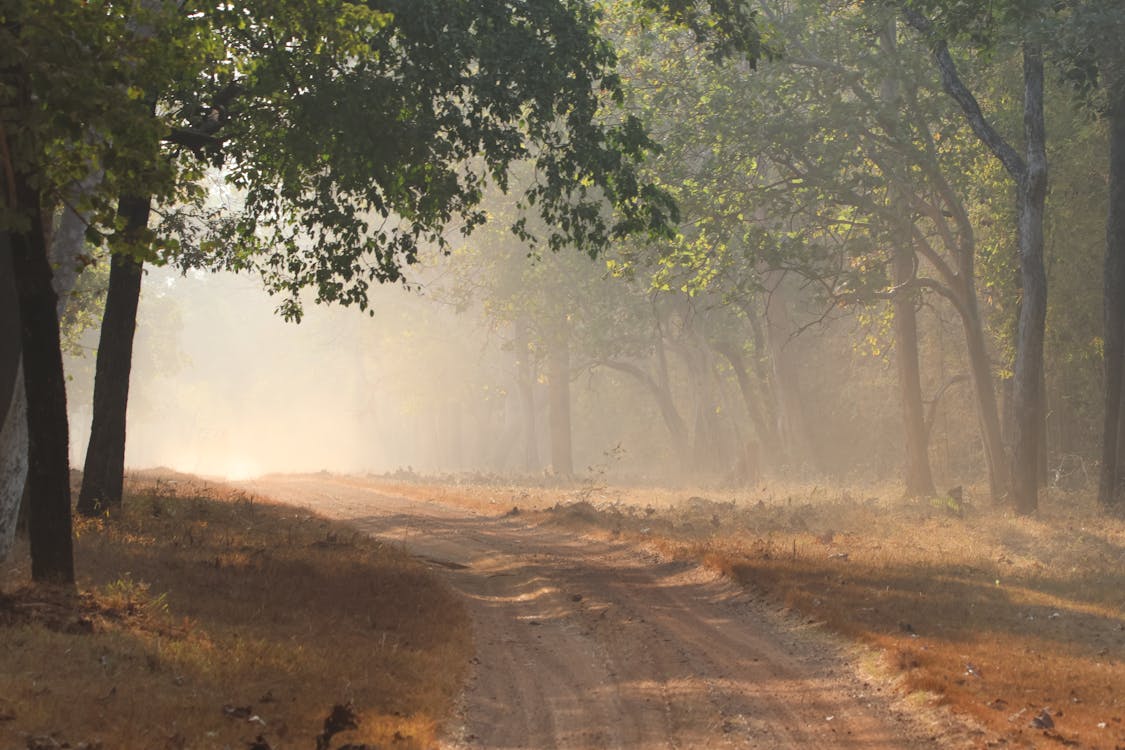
(223, 386)
(453, 375)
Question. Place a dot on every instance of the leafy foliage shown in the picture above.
(356, 134)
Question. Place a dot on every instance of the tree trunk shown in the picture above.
(763, 427)
(1031, 184)
(761, 366)
(525, 382)
(1113, 308)
(677, 429)
(792, 428)
(1032, 194)
(988, 412)
(104, 471)
(1043, 470)
(49, 521)
(13, 405)
(558, 382)
(919, 479)
(707, 446)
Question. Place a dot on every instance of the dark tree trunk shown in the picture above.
(104, 471)
(919, 479)
(558, 383)
(1030, 177)
(13, 404)
(49, 521)
(1026, 396)
(1109, 494)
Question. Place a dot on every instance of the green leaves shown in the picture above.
(362, 133)
(354, 133)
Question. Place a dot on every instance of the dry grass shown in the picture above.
(998, 617)
(206, 618)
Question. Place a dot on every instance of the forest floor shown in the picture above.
(207, 618)
(579, 616)
(1016, 626)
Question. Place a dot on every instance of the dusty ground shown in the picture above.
(589, 644)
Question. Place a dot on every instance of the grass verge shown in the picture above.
(1016, 622)
(207, 618)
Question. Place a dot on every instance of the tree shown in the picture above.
(52, 56)
(1029, 173)
(808, 167)
(1092, 54)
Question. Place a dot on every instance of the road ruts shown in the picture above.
(592, 644)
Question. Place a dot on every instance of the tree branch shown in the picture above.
(956, 88)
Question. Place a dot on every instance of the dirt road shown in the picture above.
(590, 644)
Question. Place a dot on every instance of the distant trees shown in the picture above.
(845, 163)
(860, 177)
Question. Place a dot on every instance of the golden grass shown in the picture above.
(997, 616)
(206, 618)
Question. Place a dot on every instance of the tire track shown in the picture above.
(587, 644)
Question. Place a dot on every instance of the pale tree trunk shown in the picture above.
(677, 429)
(918, 478)
(771, 448)
(988, 411)
(558, 384)
(662, 390)
(525, 382)
(69, 241)
(792, 427)
(707, 448)
(13, 406)
(763, 426)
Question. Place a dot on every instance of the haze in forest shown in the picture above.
(838, 301)
(224, 386)
(431, 381)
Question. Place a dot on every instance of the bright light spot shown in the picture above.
(239, 469)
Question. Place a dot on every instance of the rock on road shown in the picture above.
(592, 644)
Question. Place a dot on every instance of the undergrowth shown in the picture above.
(206, 618)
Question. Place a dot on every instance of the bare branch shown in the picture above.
(956, 88)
